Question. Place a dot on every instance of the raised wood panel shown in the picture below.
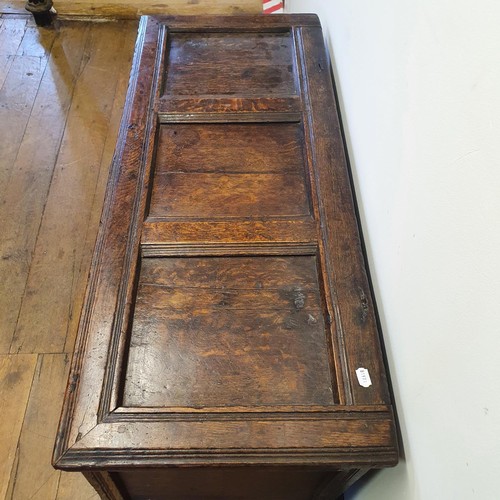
(210, 171)
(261, 49)
(210, 196)
(290, 273)
(272, 148)
(229, 64)
(228, 332)
(228, 305)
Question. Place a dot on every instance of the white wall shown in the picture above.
(419, 85)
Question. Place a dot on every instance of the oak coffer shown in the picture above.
(228, 346)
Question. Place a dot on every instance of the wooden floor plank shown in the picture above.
(107, 157)
(11, 35)
(17, 96)
(58, 253)
(71, 115)
(73, 486)
(12, 7)
(26, 191)
(34, 477)
(37, 42)
(16, 374)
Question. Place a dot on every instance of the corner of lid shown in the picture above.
(312, 20)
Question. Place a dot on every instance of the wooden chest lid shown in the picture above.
(228, 316)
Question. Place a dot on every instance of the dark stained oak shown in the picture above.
(258, 484)
(228, 332)
(262, 49)
(273, 148)
(228, 305)
(252, 163)
(211, 196)
(175, 108)
(251, 273)
(229, 64)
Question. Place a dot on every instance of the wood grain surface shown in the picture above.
(16, 375)
(228, 304)
(50, 113)
(249, 148)
(228, 332)
(229, 64)
(124, 9)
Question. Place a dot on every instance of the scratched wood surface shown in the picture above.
(249, 148)
(252, 326)
(61, 97)
(253, 162)
(228, 305)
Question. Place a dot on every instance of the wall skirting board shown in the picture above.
(128, 9)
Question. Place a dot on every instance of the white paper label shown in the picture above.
(363, 377)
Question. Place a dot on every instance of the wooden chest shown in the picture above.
(228, 346)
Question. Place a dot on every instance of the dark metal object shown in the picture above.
(41, 10)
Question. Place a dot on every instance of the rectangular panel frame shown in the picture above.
(359, 431)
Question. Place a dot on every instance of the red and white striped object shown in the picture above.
(272, 6)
